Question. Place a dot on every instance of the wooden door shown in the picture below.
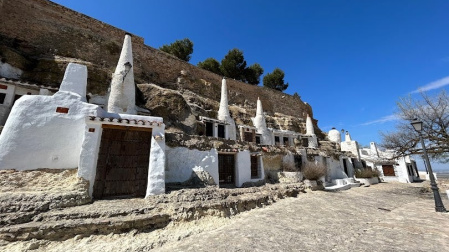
(226, 169)
(123, 159)
(254, 166)
(388, 170)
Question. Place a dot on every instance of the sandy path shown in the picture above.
(384, 217)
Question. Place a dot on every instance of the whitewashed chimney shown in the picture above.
(347, 137)
(75, 80)
(310, 132)
(223, 112)
(122, 93)
(261, 125)
(309, 126)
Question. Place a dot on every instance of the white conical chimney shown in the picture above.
(309, 126)
(223, 112)
(347, 137)
(122, 93)
(261, 125)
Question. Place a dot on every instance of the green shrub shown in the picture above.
(366, 173)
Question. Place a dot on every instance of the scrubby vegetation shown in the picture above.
(366, 173)
(313, 171)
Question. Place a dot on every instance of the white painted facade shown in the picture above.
(49, 129)
(215, 125)
(404, 167)
(10, 91)
(350, 145)
(243, 168)
(49, 138)
(181, 162)
(122, 91)
(284, 137)
(223, 113)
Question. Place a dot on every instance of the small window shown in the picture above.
(209, 129)
(285, 139)
(221, 130)
(276, 140)
(305, 142)
(298, 162)
(2, 98)
(257, 139)
(254, 166)
(248, 136)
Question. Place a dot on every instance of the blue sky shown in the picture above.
(351, 60)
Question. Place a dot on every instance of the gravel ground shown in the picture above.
(383, 217)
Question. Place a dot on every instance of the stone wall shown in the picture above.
(41, 38)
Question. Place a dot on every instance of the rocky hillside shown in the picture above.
(40, 38)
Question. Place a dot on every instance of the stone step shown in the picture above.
(119, 216)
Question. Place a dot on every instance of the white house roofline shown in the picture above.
(26, 84)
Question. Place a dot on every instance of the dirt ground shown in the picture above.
(383, 217)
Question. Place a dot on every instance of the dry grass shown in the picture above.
(314, 171)
(366, 173)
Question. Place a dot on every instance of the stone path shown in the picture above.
(383, 217)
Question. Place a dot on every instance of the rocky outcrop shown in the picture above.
(25, 194)
(119, 216)
(41, 37)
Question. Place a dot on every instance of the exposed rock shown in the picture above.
(124, 215)
(25, 194)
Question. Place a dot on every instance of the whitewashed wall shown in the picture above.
(88, 156)
(181, 162)
(336, 168)
(36, 136)
(288, 160)
(243, 168)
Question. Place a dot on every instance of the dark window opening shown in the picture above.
(276, 140)
(345, 166)
(2, 98)
(298, 162)
(221, 130)
(305, 142)
(209, 129)
(285, 139)
(248, 136)
(257, 139)
(363, 163)
(254, 166)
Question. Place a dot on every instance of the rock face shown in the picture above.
(39, 218)
(40, 38)
(23, 195)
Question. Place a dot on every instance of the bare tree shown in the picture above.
(434, 113)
